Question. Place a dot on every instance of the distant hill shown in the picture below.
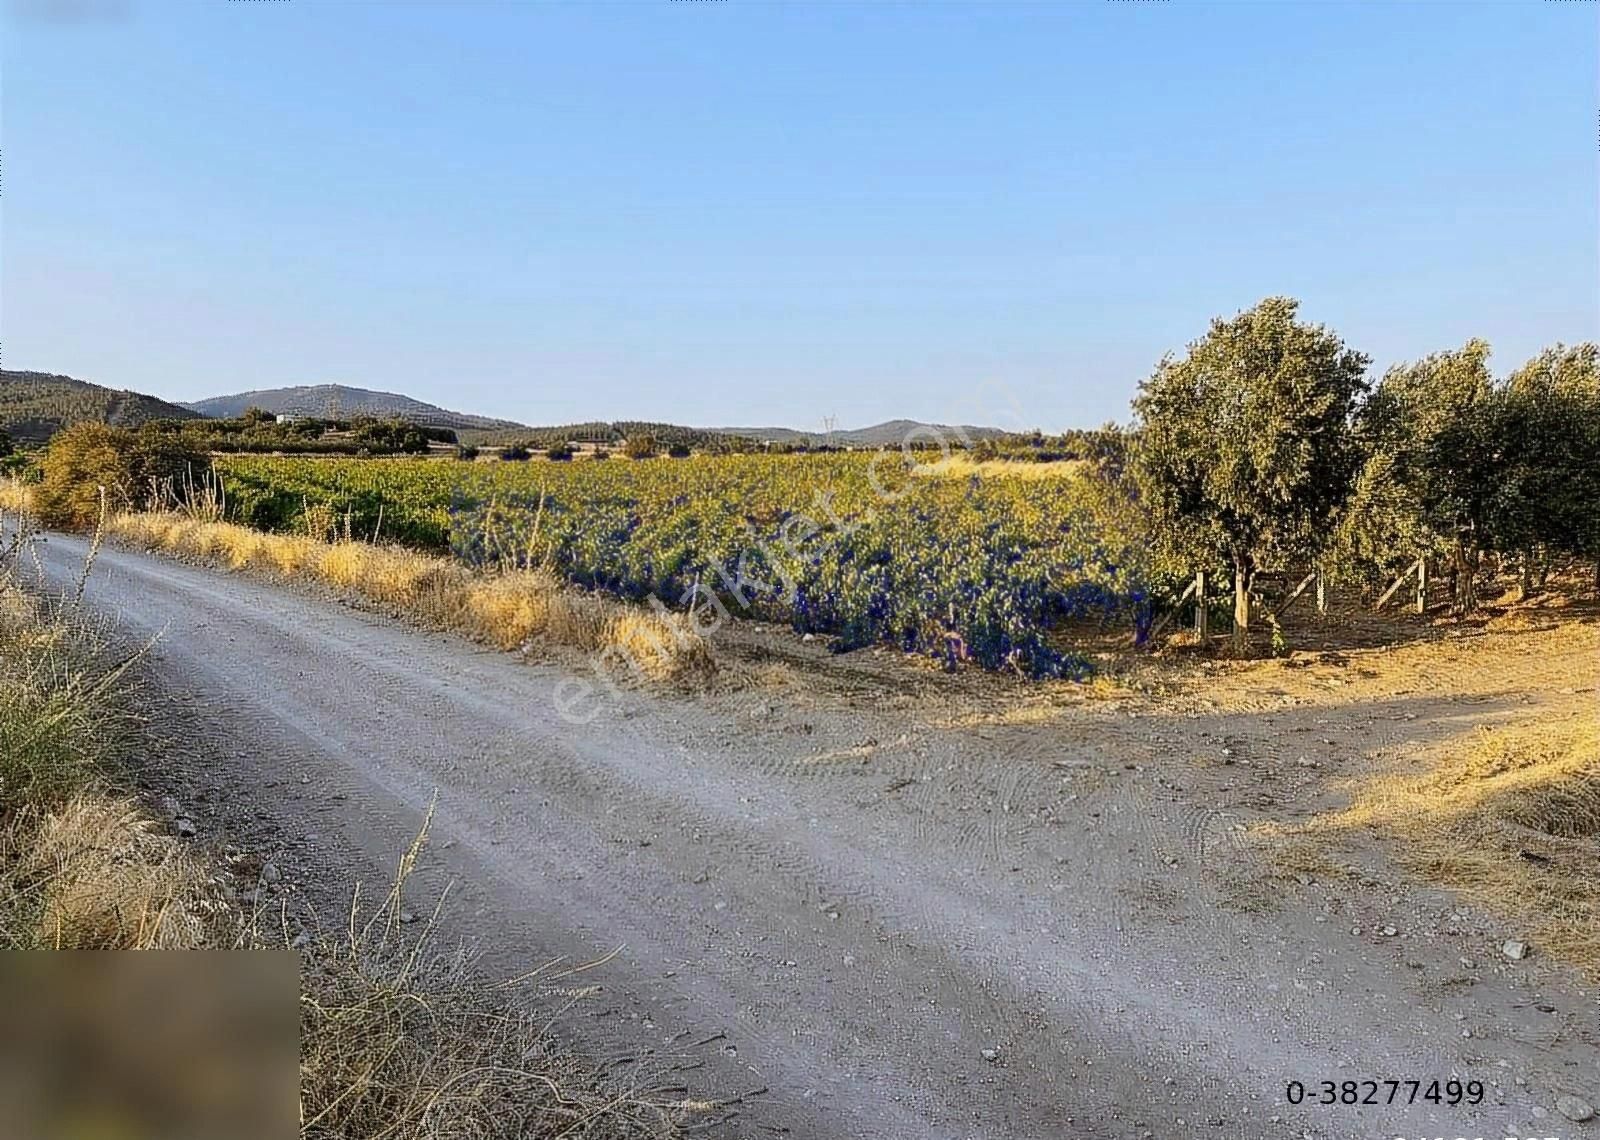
(887, 434)
(36, 405)
(335, 401)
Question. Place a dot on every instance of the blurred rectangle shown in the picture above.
(149, 1045)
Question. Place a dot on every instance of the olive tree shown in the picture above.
(1246, 450)
(1549, 493)
(1434, 432)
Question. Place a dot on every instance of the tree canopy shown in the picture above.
(1246, 449)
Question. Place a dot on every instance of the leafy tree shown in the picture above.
(1246, 449)
(131, 466)
(390, 435)
(1548, 496)
(515, 453)
(1460, 465)
(559, 452)
(6, 447)
(641, 446)
(678, 451)
(466, 452)
(1438, 433)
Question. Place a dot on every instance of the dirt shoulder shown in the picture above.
(902, 909)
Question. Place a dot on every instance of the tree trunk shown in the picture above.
(1525, 578)
(1241, 604)
(1466, 561)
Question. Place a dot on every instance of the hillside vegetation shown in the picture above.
(36, 405)
(339, 402)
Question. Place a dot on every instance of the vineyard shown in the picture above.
(987, 570)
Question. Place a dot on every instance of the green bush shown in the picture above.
(20, 465)
(131, 466)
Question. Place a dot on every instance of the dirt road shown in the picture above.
(899, 918)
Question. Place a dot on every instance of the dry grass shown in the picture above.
(509, 610)
(1509, 817)
(400, 1039)
(15, 497)
(61, 722)
(961, 465)
(98, 874)
(80, 867)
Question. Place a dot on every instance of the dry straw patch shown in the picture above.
(961, 465)
(99, 875)
(1509, 817)
(508, 610)
(79, 868)
(15, 498)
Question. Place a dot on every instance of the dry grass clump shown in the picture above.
(400, 1039)
(80, 868)
(97, 874)
(1508, 816)
(61, 721)
(15, 496)
(508, 610)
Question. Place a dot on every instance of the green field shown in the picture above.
(865, 550)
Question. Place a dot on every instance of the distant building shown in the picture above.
(289, 419)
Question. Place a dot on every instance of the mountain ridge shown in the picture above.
(36, 405)
(887, 433)
(340, 401)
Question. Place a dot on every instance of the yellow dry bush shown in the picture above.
(509, 609)
(1508, 816)
(15, 497)
(285, 554)
(109, 880)
(666, 646)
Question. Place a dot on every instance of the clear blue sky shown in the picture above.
(759, 213)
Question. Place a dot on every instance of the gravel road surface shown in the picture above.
(863, 923)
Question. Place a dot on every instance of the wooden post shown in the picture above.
(1322, 593)
(1202, 616)
(1241, 610)
(1295, 593)
(1383, 600)
(1422, 585)
(1177, 607)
